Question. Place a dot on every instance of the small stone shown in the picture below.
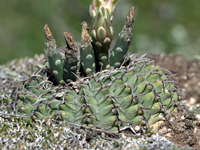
(137, 128)
(198, 117)
(163, 131)
(192, 101)
(156, 126)
(185, 77)
(186, 85)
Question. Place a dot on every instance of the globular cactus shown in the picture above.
(138, 94)
(117, 91)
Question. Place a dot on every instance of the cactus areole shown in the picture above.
(96, 84)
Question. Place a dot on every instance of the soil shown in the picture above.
(183, 130)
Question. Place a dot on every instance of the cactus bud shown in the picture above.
(102, 34)
(86, 51)
(70, 66)
(121, 46)
(55, 61)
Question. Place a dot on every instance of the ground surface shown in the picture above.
(188, 79)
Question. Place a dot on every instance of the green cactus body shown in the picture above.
(138, 94)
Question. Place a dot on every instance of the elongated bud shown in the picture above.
(70, 66)
(124, 39)
(102, 33)
(55, 61)
(86, 51)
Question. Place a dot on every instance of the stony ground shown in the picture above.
(182, 130)
(188, 79)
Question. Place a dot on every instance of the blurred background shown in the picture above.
(171, 27)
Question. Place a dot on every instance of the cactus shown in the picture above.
(138, 94)
(99, 86)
